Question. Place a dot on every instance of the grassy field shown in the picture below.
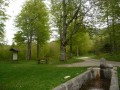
(31, 76)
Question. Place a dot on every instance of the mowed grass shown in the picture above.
(31, 76)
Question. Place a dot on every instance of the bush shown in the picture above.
(5, 54)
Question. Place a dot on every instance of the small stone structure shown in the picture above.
(105, 69)
(76, 83)
(14, 54)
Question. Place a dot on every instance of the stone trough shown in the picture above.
(99, 73)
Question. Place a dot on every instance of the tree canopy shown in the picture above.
(3, 17)
(33, 24)
(82, 25)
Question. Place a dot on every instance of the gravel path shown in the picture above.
(89, 62)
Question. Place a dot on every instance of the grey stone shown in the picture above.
(69, 86)
(77, 82)
(61, 87)
(103, 61)
(114, 87)
(109, 66)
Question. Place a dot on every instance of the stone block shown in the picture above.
(75, 85)
(114, 87)
(69, 86)
(114, 80)
(61, 87)
(77, 82)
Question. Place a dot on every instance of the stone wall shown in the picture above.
(77, 82)
(114, 80)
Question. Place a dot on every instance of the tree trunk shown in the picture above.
(114, 39)
(113, 31)
(110, 36)
(70, 47)
(38, 51)
(77, 51)
(63, 53)
(65, 24)
(28, 56)
(27, 51)
(30, 47)
(63, 35)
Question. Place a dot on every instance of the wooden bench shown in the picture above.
(42, 61)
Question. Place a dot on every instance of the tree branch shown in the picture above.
(75, 30)
(75, 14)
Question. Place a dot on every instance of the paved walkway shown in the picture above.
(89, 62)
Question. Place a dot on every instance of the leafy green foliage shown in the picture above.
(82, 42)
(110, 7)
(33, 26)
(3, 17)
(64, 14)
(54, 48)
(45, 51)
(33, 20)
(5, 54)
(110, 10)
(19, 37)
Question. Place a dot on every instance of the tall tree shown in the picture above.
(3, 17)
(65, 13)
(111, 9)
(33, 23)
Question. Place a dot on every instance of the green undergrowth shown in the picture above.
(50, 61)
(74, 59)
(33, 76)
(68, 61)
(109, 57)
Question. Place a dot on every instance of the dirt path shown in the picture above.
(89, 62)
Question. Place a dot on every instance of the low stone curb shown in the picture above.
(114, 80)
(77, 82)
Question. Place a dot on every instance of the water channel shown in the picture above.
(101, 82)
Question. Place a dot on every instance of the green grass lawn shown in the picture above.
(31, 76)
